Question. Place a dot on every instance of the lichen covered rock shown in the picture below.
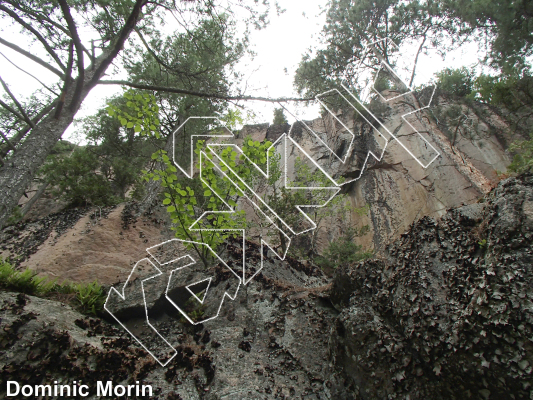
(447, 313)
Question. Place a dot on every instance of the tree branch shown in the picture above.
(416, 58)
(79, 52)
(32, 57)
(11, 110)
(7, 141)
(66, 83)
(19, 106)
(36, 33)
(20, 134)
(112, 52)
(200, 94)
(37, 16)
(26, 72)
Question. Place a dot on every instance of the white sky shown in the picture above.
(279, 49)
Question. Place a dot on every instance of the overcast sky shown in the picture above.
(279, 49)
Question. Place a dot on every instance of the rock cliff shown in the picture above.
(446, 312)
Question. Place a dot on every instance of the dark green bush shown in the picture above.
(343, 251)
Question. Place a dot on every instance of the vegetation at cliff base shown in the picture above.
(88, 298)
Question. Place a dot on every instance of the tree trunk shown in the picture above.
(153, 187)
(18, 170)
(27, 207)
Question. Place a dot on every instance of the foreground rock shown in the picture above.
(448, 313)
(270, 342)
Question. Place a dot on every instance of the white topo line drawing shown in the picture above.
(170, 270)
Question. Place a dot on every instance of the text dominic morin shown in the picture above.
(103, 389)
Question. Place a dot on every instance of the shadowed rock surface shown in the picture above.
(446, 313)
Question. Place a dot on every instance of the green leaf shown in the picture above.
(171, 208)
(207, 193)
(166, 201)
(129, 125)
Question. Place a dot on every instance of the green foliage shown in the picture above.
(343, 251)
(62, 147)
(511, 91)
(15, 216)
(90, 297)
(187, 200)
(24, 282)
(457, 82)
(77, 179)
(194, 309)
(503, 29)
(279, 117)
(523, 159)
(140, 114)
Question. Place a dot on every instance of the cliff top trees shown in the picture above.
(503, 27)
(78, 42)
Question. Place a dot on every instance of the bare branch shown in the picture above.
(79, 52)
(19, 106)
(7, 141)
(11, 110)
(66, 83)
(23, 132)
(37, 16)
(112, 51)
(416, 58)
(200, 94)
(32, 57)
(26, 72)
(36, 33)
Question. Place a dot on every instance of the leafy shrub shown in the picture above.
(77, 180)
(458, 82)
(343, 251)
(24, 282)
(91, 297)
(523, 160)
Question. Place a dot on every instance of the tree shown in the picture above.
(439, 24)
(188, 199)
(457, 82)
(279, 117)
(505, 24)
(80, 63)
(523, 159)
(77, 179)
(350, 26)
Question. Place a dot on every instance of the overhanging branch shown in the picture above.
(201, 94)
(36, 33)
(32, 57)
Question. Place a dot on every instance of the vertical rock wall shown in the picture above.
(470, 139)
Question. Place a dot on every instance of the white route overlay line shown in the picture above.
(287, 139)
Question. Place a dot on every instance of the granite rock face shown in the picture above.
(466, 143)
(447, 313)
(270, 342)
